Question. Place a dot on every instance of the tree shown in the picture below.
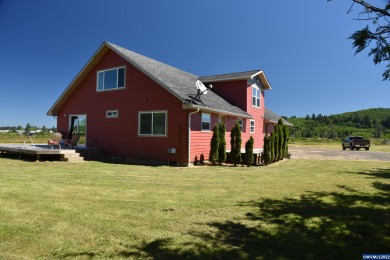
(267, 151)
(378, 34)
(235, 143)
(286, 137)
(214, 145)
(222, 144)
(281, 140)
(249, 151)
(275, 139)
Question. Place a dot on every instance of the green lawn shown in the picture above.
(294, 209)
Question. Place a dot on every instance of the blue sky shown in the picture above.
(301, 45)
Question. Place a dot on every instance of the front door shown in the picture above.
(78, 124)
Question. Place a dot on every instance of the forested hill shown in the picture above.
(374, 122)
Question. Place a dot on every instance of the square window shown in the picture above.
(152, 123)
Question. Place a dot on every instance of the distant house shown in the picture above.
(135, 107)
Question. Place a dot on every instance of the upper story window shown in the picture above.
(152, 123)
(111, 79)
(255, 96)
(206, 122)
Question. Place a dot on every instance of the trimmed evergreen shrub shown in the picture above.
(214, 145)
(222, 144)
(281, 139)
(249, 151)
(286, 139)
(267, 151)
(235, 143)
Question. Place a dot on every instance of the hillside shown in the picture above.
(374, 122)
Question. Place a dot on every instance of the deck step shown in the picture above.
(71, 156)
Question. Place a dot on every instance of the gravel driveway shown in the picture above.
(324, 154)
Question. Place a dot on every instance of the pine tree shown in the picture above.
(281, 139)
(249, 151)
(267, 153)
(222, 144)
(276, 143)
(214, 145)
(235, 143)
(265, 150)
(286, 138)
(271, 147)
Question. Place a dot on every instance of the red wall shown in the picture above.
(119, 136)
(238, 93)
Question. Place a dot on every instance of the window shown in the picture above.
(255, 96)
(152, 123)
(206, 119)
(112, 113)
(111, 79)
(252, 126)
(239, 121)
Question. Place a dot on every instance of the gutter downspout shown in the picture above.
(189, 135)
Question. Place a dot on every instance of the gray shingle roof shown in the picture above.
(179, 83)
(274, 118)
(229, 76)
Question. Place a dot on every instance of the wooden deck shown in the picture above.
(39, 152)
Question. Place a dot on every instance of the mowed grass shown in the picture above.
(294, 209)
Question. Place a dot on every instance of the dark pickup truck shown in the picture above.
(356, 142)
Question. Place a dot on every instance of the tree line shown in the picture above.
(370, 123)
(28, 128)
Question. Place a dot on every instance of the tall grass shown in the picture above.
(294, 209)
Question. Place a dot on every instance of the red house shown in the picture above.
(132, 106)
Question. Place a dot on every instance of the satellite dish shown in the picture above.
(201, 87)
(202, 90)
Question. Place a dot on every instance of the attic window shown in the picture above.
(255, 96)
(111, 79)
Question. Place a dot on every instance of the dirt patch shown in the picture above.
(330, 154)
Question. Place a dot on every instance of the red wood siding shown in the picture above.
(258, 116)
(232, 91)
(119, 136)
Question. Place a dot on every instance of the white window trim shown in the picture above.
(112, 114)
(257, 88)
(250, 126)
(117, 71)
(201, 122)
(151, 112)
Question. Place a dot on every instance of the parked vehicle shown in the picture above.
(356, 142)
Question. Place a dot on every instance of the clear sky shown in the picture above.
(301, 45)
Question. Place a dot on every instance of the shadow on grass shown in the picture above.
(318, 225)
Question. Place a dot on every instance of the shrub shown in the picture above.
(281, 140)
(235, 142)
(267, 151)
(249, 151)
(214, 145)
(222, 144)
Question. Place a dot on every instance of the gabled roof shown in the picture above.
(238, 76)
(274, 118)
(179, 83)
